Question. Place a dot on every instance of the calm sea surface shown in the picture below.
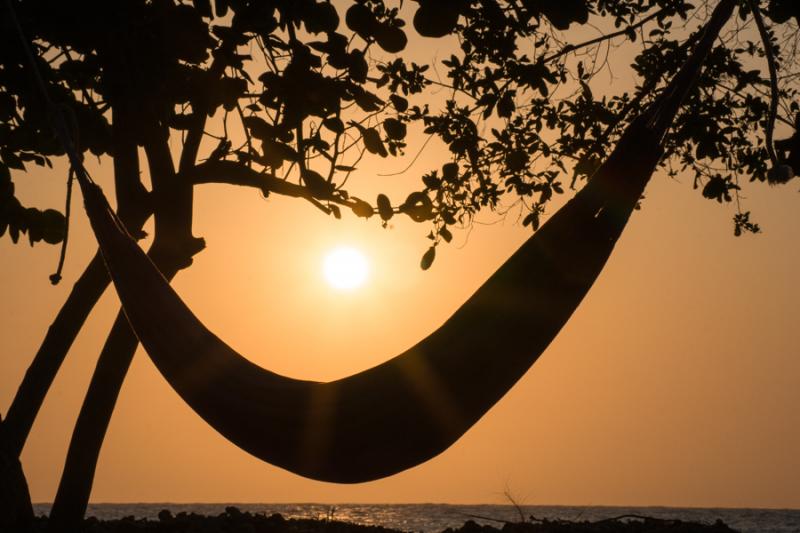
(437, 517)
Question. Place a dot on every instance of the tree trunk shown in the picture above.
(90, 429)
(133, 209)
(60, 336)
(16, 511)
(172, 250)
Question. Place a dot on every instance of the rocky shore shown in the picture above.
(235, 521)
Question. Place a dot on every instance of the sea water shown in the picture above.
(431, 518)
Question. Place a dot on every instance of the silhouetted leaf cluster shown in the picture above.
(316, 87)
(47, 225)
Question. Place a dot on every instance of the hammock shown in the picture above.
(409, 409)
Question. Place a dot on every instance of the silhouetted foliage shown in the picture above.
(291, 96)
(317, 86)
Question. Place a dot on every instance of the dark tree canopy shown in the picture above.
(292, 96)
(317, 86)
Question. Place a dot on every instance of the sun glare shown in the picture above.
(345, 268)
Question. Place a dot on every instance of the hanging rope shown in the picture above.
(61, 129)
(56, 277)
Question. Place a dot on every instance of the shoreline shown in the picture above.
(232, 519)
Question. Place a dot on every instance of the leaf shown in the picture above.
(445, 234)
(505, 106)
(259, 128)
(395, 129)
(418, 207)
(11, 160)
(532, 219)
(368, 101)
(53, 226)
(361, 208)
(222, 150)
(230, 90)
(450, 171)
(361, 20)
(517, 161)
(29, 156)
(391, 38)
(427, 258)
(373, 143)
(334, 124)
(399, 103)
(357, 68)
(385, 207)
(717, 188)
(435, 18)
(319, 186)
(322, 17)
(431, 181)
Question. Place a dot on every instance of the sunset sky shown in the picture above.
(677, 381)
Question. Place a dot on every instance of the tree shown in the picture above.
(320, 95)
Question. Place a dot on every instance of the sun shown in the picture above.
(345, 268)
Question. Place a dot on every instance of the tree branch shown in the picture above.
(132, 197)
(172, 203)
(233, 173)
(773, 81)
(572, 48)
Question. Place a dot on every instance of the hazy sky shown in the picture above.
(677, 381)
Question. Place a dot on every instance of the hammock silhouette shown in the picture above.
(414, 406)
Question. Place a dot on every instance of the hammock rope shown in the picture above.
(414, 406)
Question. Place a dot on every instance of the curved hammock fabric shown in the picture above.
(414, 406)
(409, 409)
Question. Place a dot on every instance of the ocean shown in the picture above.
(432, 518)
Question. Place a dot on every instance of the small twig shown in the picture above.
(517, 506)
(572, 48)
(419, 152)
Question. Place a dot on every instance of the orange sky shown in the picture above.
(676, 382)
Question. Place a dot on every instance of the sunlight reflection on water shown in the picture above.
(437, 517)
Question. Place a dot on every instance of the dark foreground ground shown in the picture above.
(235, 521)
